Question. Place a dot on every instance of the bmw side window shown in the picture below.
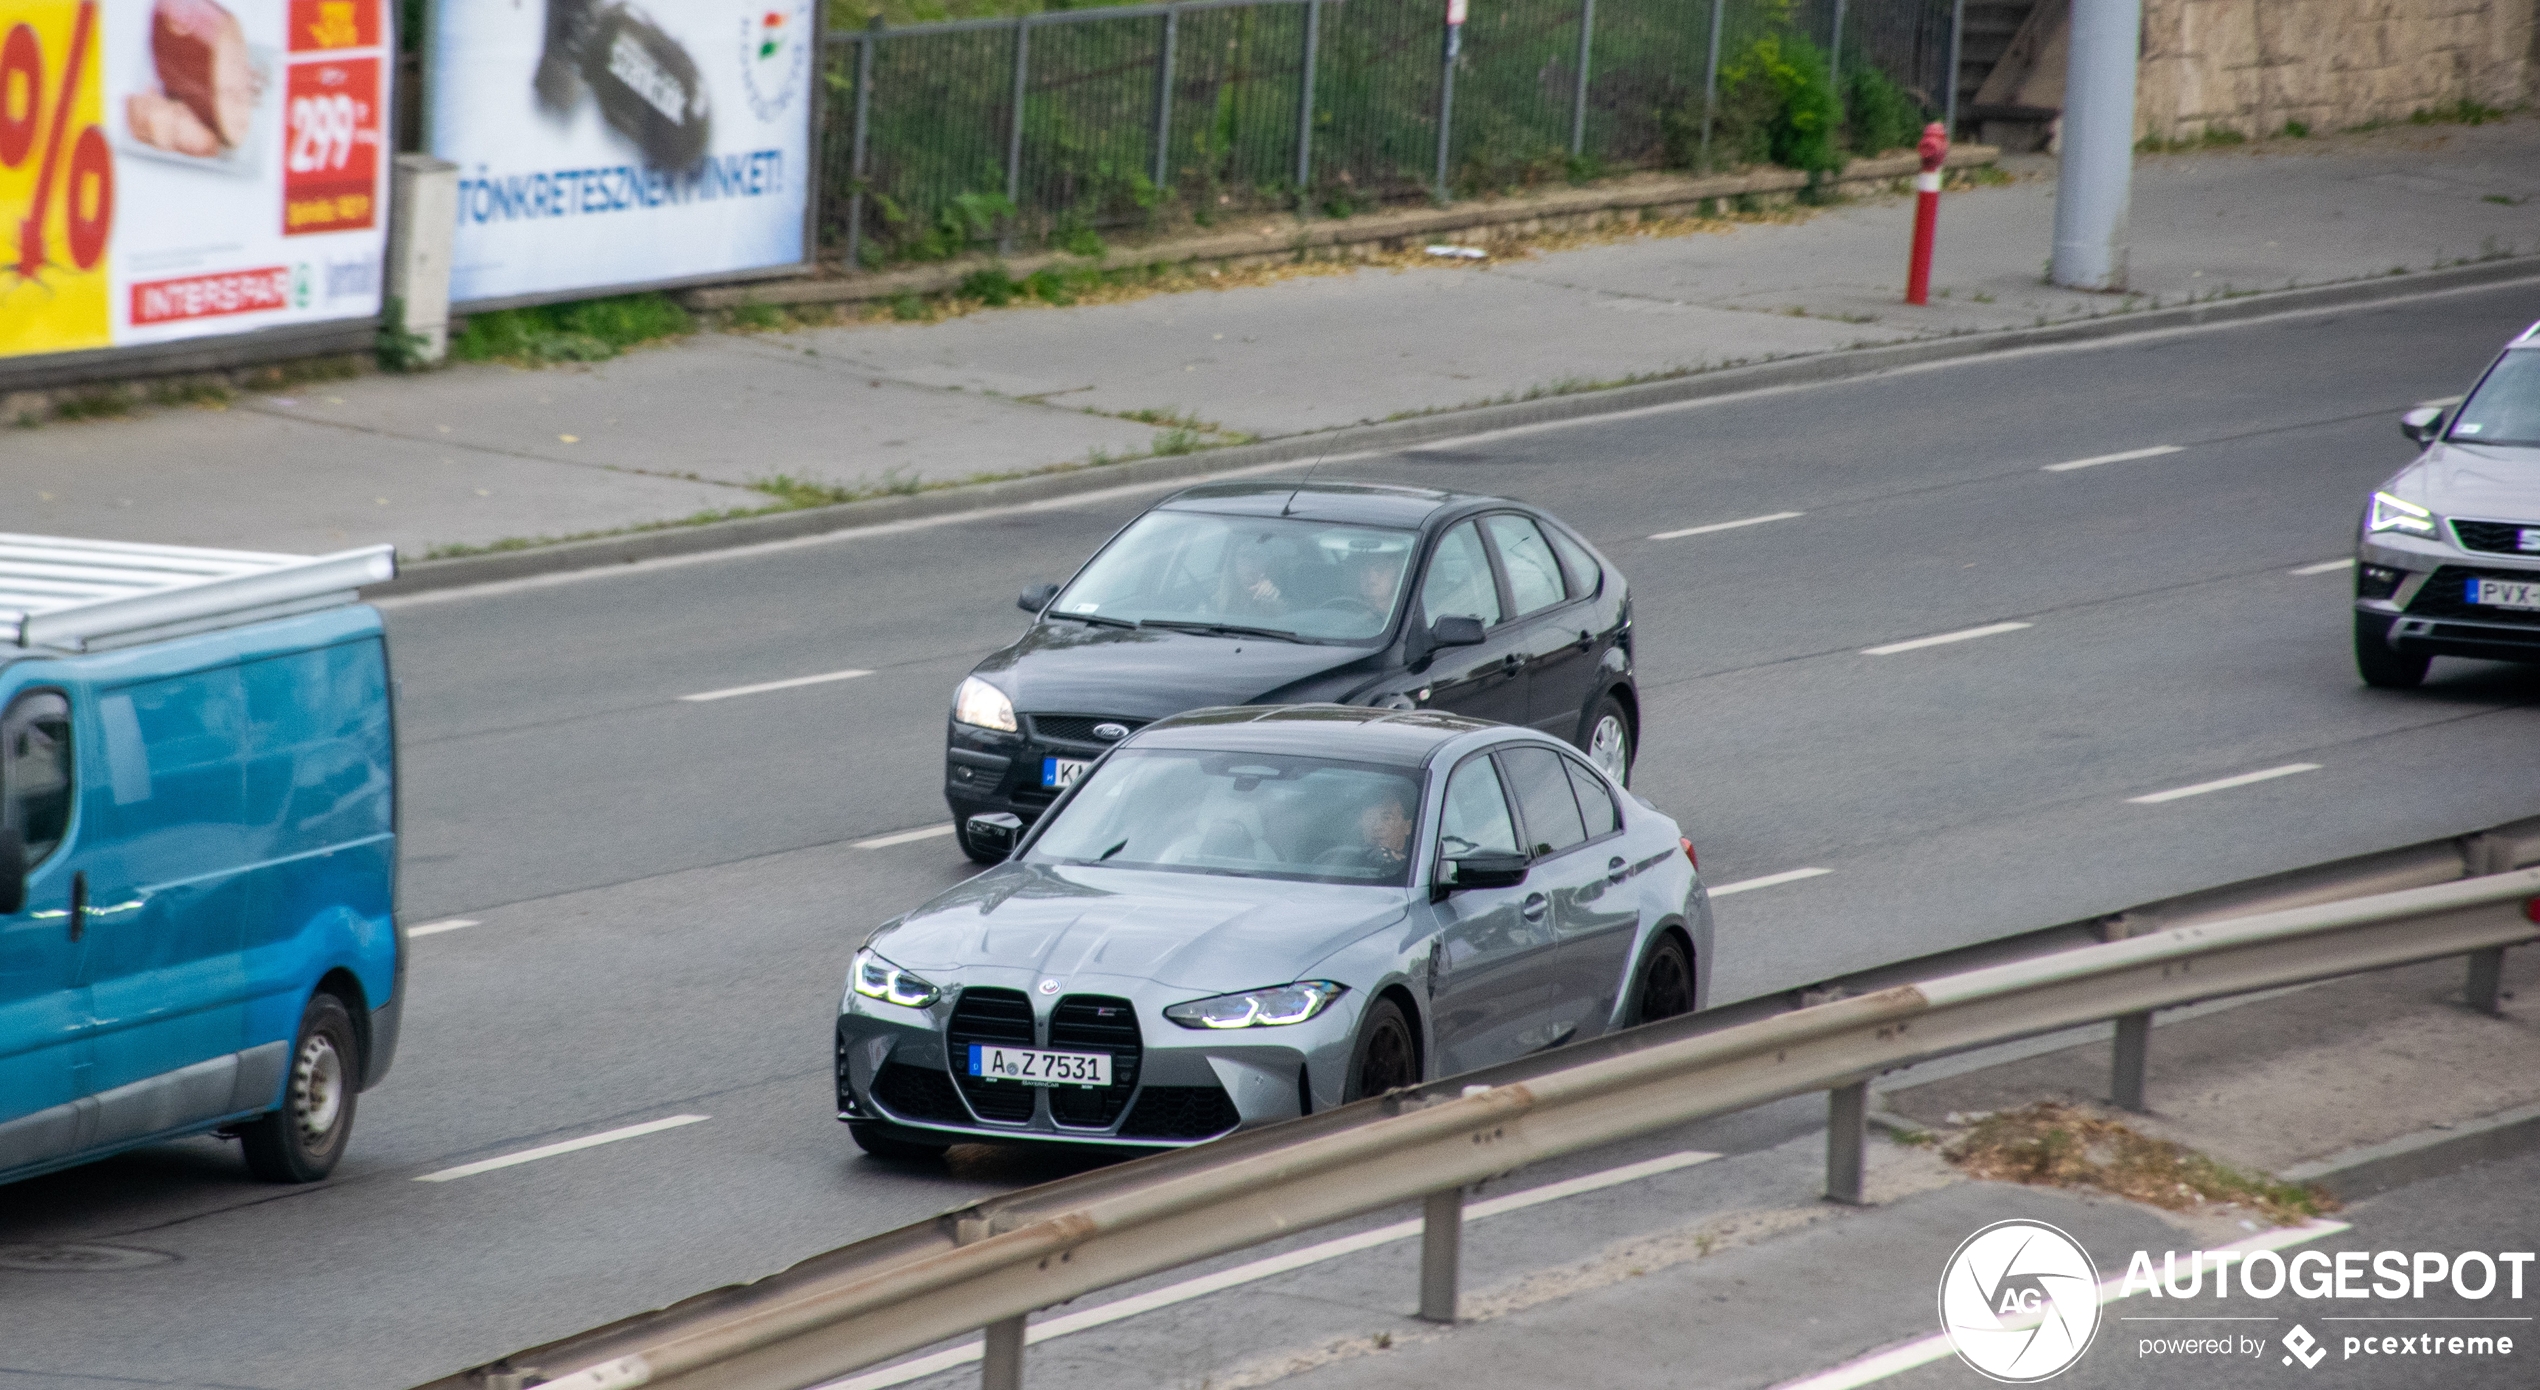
(1534, 576)
(35, 771)
(1596, 802)
(1544, 799)
(1586, 576)
(1476, 814)
(1459, 583)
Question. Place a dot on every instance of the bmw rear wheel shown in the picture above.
(1609, 740)
(1665, 986)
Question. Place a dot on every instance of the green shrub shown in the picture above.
(1777, 106)
(1878, 115)
(587, 330)
(992, 287)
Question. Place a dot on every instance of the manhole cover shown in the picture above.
(78, 1259)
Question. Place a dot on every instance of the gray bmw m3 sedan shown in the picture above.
(1241, 915)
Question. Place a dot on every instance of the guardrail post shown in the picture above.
(1441, 1253)
(1578, 96)
(1847, 1141)
(2486, 992)
(1014, 135)
(2134, 1058)
(1164, 100)
(1305, 102)
(1001, 1365)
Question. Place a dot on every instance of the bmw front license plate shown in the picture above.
(1063, 772)
(1033, 1067)
(2506, 593)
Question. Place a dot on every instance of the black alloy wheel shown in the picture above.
(1387, 1056)
(1606, 737)
(1665, 987)
(2382, 667)
(874, 1141)
(301, 1141)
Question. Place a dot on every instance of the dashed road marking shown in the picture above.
(588, 1141)
(903, 837)
(764, 686)
(1919, 643)
(436, 928)
(1749, 885)
(1723, 526)
(2325, 566)
(2222, 784)
(2128, 456)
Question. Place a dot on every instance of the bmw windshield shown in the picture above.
(2505, 409)
(1240, 575)
(1256, 815)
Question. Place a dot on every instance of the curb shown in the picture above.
(2431, 1153)
(1815, 369)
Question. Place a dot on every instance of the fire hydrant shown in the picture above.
(1934, 149)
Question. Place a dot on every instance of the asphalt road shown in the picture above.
(664, 892)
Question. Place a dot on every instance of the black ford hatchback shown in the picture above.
(1274, 593)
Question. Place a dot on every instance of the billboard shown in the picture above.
(601, 144)
(181, 168)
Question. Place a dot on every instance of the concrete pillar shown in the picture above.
(2097, 173)
(423, 218)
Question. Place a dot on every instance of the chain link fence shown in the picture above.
(1050, 129)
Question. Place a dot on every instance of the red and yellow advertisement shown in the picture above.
(181, 168)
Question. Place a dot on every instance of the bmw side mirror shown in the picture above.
(2422, 424)
(1456, 632)
(1486, 868)
(1036, 598)
(996, 832)
(12, 871)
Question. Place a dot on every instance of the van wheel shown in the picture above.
(1387, 1057)
(872, 1140)
(301, 1141)
(2381, 666)
(1665, 986)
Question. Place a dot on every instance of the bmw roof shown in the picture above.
(1371, 504)
(1406, 737)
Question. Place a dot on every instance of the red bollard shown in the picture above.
(1934, 148)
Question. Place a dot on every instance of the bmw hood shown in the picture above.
(1149, 673)
(2474, 480)
(1207, 933)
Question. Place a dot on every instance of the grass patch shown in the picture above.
(587, 330)
(104, 403)
(754, 317)
(2296, 130)
(2462, 112)
(2053, 1145)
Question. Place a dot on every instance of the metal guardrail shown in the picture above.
(989, 1264)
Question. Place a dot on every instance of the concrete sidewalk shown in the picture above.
(478, 455)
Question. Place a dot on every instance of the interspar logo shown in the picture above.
(203, 296)
(2020, 1301)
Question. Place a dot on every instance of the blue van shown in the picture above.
(198, 851)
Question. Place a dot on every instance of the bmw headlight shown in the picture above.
(1259, 1008)
(2396, 514)
(981, 704)
(876, 978)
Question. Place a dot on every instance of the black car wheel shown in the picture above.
(2378, 663)
(874, 1141)
(1606, 737)
(1664, 988)
(1387, 1056)
(301, 1141)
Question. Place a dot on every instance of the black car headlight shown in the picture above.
(876, 978)
(1275, 1007)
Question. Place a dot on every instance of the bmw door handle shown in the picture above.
(1512, 661)
(1535, 906)
(1616, 869)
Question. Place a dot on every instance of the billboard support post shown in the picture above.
(423, 216)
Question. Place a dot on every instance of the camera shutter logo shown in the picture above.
(2019, 1301)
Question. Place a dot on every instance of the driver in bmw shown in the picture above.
(1384, 831)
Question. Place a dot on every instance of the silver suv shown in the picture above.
(2449, 560)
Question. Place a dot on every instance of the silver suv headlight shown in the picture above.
(983, 705)
(2398, 514)
(876, 978)
(1259, 1008)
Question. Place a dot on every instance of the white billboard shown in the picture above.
(602, 144)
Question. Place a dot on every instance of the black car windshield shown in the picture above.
(2505, 409)
(1311, 580)
(1255, 815)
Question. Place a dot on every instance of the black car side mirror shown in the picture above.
(1456, 632)
(1036, 598)
(12, 871)
(1485, 869)
(995, 831)
(2422, 424)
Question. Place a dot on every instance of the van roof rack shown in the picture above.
(78, 595)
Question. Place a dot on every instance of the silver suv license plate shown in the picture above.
(1034, 1067)
(2505, 593)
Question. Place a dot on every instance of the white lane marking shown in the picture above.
(1749, 885)
(764, 686)
(1723, 526)
(588, 1141)
(2325, 566)
(1206, 1284)
(903, 837)
(1919, 643)
(2222, 784)
(436, 928)
(1879, 1365)
(2128, 456)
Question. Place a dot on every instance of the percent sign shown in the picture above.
(90, 177)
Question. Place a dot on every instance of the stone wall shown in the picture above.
(2251, 66)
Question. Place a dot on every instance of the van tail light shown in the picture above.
(1696, 861)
